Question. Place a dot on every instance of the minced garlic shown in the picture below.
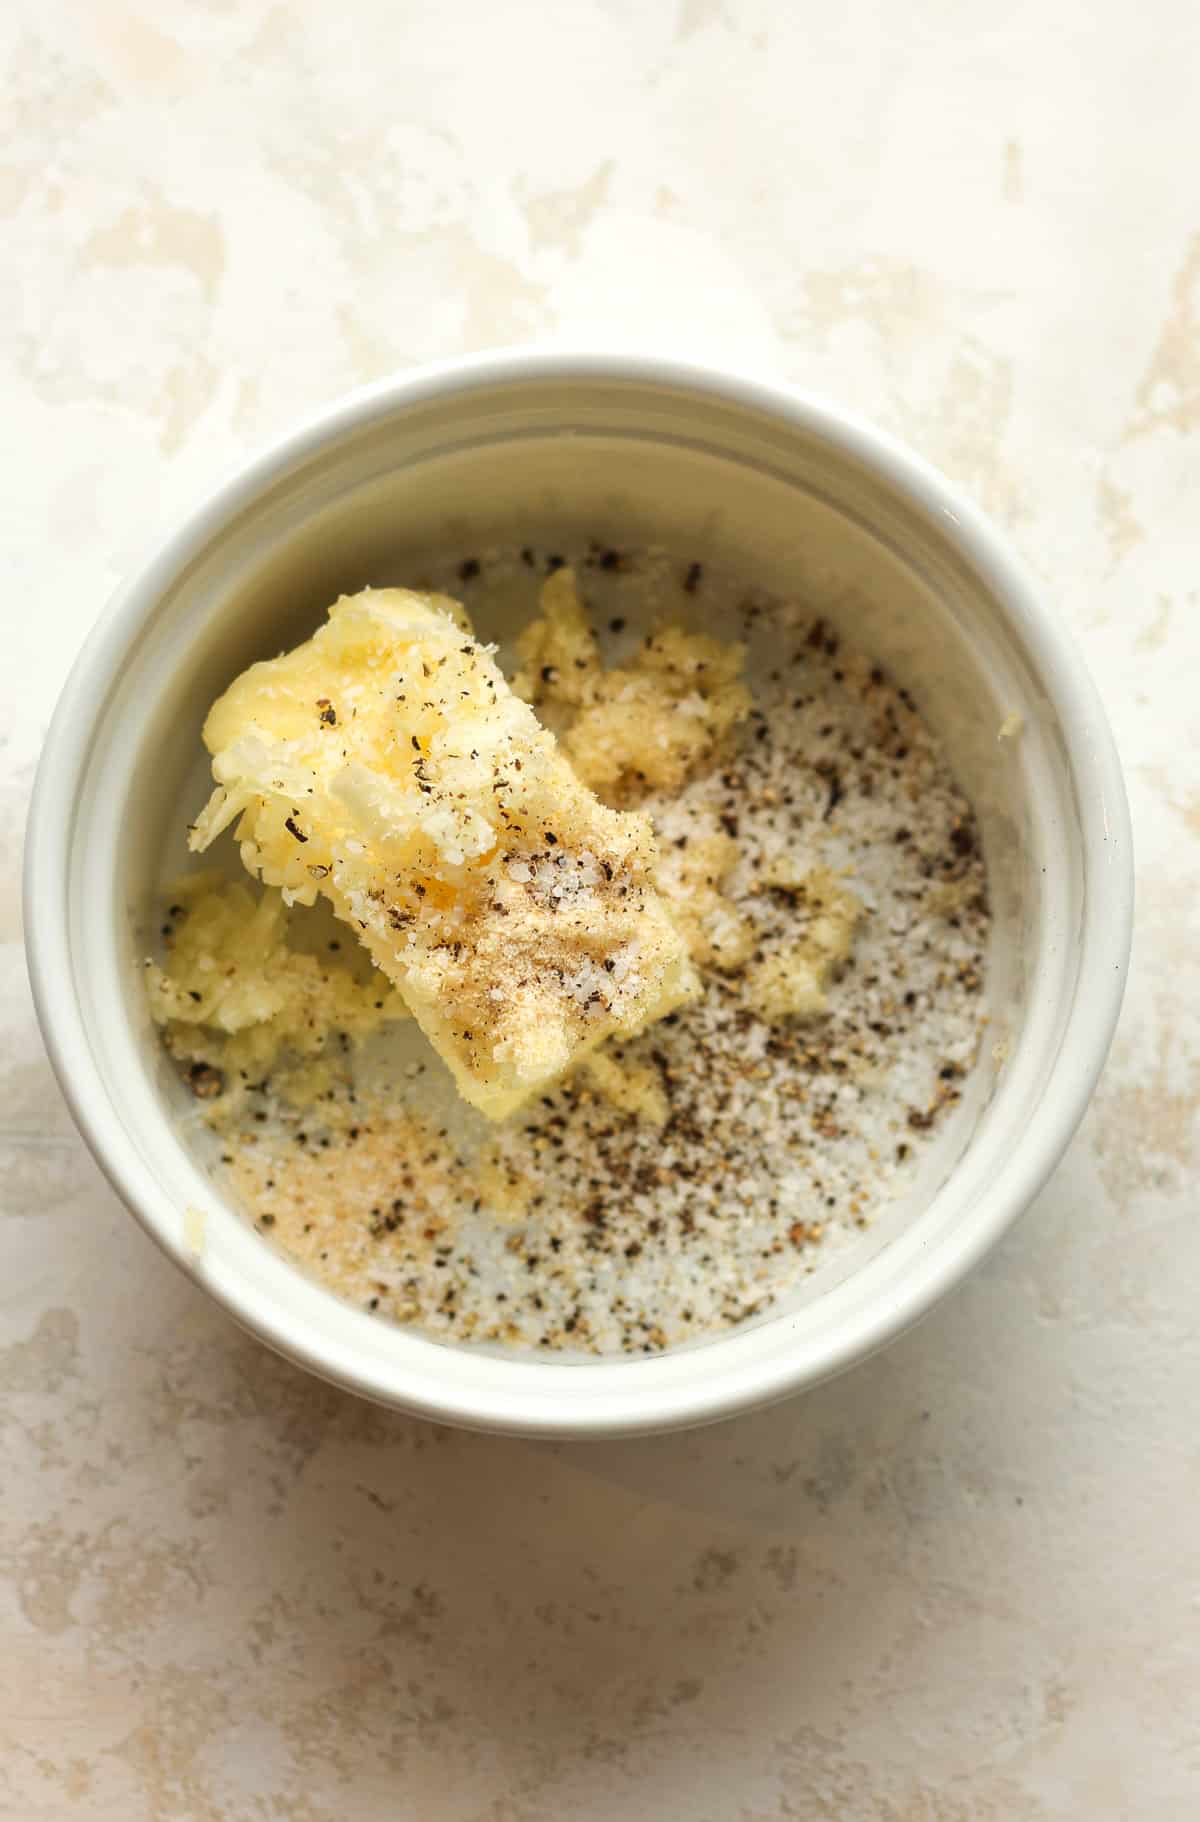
(791, 983)
(233, 995)
(560, 659)
(690, 877)
(644, 726)
(386, 766)
(195, 1226)
(633, 1088)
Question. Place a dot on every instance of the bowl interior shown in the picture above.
(382, 499)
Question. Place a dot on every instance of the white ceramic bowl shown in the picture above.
(804, 498)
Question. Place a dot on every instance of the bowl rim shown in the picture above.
(643, 1403)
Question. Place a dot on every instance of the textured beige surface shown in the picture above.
(963, 1582)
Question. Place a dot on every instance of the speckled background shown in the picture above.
(964, 1581)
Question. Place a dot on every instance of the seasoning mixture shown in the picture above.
(827, 878)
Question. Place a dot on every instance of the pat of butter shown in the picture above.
(385, 765)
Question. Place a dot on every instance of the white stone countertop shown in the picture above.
(963, 1581)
